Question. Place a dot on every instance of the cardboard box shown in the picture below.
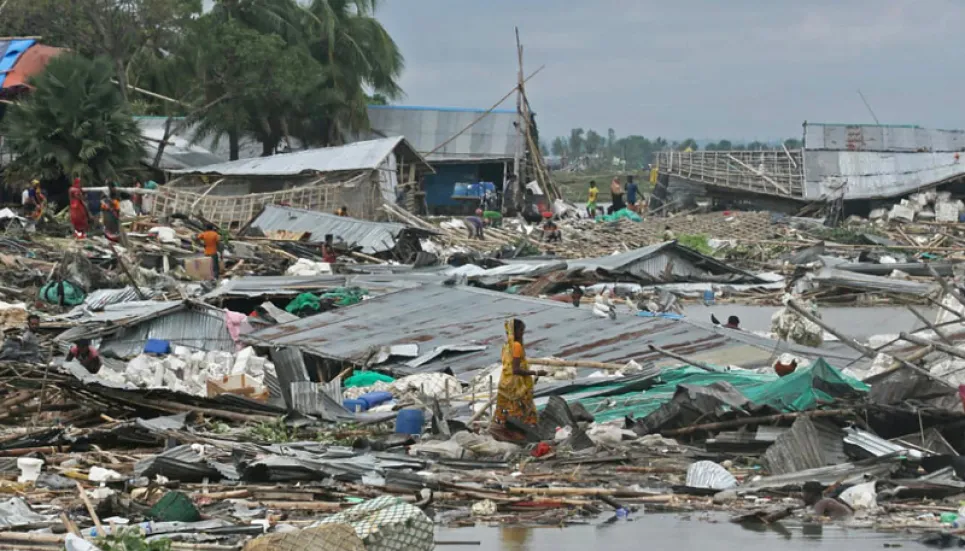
(199, 268)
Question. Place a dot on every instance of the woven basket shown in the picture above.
(326, 537)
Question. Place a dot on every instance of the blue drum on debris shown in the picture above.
(410, 421)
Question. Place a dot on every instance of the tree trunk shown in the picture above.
(121, 71)
(234, 146)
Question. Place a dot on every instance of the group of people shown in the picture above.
(34, 202)
(620, 197)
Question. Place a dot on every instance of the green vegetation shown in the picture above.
(74, 124)
(272, 432)
(131, 539)
(276, 71)
(697, 242)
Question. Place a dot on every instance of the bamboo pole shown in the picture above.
(948, 349)
(941, 334)
(552, 362)
(760, 420)
(864, 350)
(683, 359)
(90, 510)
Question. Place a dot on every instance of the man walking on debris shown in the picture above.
(212, 240)
(474, 224)
(591, 199)
(86, 355)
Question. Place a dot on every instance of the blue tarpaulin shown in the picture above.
(11, 52)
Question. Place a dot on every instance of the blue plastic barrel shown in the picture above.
(410, 421)
(354, 405)
(709, 296)
(373, 399)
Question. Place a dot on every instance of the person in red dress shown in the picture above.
(79, 217)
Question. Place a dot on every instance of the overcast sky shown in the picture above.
(738, 69)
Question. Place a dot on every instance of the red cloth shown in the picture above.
(541, 449)
(78, 210)
(961, 394)
(328, 254)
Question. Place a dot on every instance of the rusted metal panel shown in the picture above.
(437, 315)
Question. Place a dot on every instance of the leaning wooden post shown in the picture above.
(683, 359)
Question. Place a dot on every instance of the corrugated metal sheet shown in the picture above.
(367, 155)
(873, 444)
(124, 328)
(881, 137)
(804, 446)
(256, 286)
(200, 329)
(870, 175)
(841, 278)
(373, 237)
(184, 150)
(289, 369)
(437, 315)
(101, 298)
(844, 473)
(492, 138)
(651, 263)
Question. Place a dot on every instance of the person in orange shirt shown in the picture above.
(212, 241)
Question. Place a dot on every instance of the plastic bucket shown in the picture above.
(410, 421)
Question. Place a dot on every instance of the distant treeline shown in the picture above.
(595, 150)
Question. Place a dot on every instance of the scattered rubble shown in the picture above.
(296, 400)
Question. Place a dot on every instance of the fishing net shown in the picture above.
(326, 537)
(387, 524)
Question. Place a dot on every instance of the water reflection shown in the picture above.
(515, 538)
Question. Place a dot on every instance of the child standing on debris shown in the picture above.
(631, 193)
(212, 241)
(86, 355)
(36, 199)
(591, 199)
(111, 212)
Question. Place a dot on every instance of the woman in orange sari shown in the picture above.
(514, 399)
(79, 217)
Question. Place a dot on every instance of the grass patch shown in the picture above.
(697, 242)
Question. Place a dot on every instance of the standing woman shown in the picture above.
(111, 209)
(514, 399)
(79, 217)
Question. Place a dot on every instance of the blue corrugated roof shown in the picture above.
(14, 49)
(444, 109)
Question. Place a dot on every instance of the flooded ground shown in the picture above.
(678, 532)
(855, 322)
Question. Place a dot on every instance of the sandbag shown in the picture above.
(326, 537)
(387, 524)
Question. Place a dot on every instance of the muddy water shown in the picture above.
(856, 322)
(672, 532)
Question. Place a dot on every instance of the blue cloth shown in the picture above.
(632, 193)
(475, 221)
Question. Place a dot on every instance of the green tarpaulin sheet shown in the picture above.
(807, 388)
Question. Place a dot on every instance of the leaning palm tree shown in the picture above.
(75, 123)
(359, 55)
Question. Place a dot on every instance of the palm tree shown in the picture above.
(359, 55)
(74, 124)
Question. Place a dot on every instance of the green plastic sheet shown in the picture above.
(807, 388)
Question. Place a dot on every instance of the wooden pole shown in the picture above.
(949, 289)
(941, 334)
(552, 362)
(90, 510)
(683, 359)
(948, 349)
(762, 419)
(483, 115)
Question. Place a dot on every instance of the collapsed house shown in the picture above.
(663, 264)
(433, 327)
(360, 176)
(308, 226)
